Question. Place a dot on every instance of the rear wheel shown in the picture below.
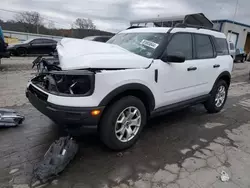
(218, 97)
(22, 51)
(122, 123)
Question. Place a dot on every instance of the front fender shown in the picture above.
(129, 87)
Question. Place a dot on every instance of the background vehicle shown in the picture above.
(98, 38)
(3, 46)
(232, 50)
(240, 55)
(33, 46)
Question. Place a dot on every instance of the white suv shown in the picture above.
(139, 73)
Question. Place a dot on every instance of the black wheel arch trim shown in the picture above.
(127, 87)
(225, 73)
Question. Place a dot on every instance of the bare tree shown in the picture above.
(51, 24)
(32, 19)
(82, 23)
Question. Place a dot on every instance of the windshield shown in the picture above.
(143, 44)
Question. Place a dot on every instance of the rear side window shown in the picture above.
(204, 47)
(48, 41)
(181, 44)
(37, 41)
(221, 46)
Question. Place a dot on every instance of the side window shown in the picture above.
(181, 44)
(37, 41)
(204, 47)
(48, 41)
(221, 46)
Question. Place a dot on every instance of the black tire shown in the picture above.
(22, 51)
(210, 104)
(108, 122)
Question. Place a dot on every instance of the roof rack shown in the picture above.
(181, 25)
(134, 27)
(198, 20)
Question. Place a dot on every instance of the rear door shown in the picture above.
(207, 62)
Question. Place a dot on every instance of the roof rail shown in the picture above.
(134, 27)
(183, 25)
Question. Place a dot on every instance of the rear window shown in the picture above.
(221, 46)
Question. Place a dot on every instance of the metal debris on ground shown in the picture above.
(224, 176)
(59, 155)
(10, 118)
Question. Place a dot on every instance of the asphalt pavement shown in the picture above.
(188, 148)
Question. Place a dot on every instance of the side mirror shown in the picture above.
(173, 58)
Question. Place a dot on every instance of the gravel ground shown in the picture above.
(184, 149)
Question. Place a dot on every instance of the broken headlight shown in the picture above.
(66, 82)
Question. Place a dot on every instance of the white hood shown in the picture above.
(83, 54)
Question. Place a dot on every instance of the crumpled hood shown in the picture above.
(83, 54)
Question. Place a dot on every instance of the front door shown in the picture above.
(179, 81)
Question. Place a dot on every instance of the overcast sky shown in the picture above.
(114, 15)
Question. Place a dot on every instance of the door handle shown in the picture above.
(191, 68)
(216, 66)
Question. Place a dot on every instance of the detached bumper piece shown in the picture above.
(10, 118)
(59, 155)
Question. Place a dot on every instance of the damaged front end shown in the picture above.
(52, 79)
(53, 91)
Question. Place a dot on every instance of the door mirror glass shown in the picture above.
(177, 58)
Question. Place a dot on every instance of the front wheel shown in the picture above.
(122, 123)
(22, 51)
(218, 97)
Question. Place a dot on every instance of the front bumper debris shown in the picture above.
(10, 118)
(58, 156)
(72, 117)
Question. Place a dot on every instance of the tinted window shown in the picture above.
(204, 47)
(181, 44)
(48, 41)
(221, 46)
(37, 41)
